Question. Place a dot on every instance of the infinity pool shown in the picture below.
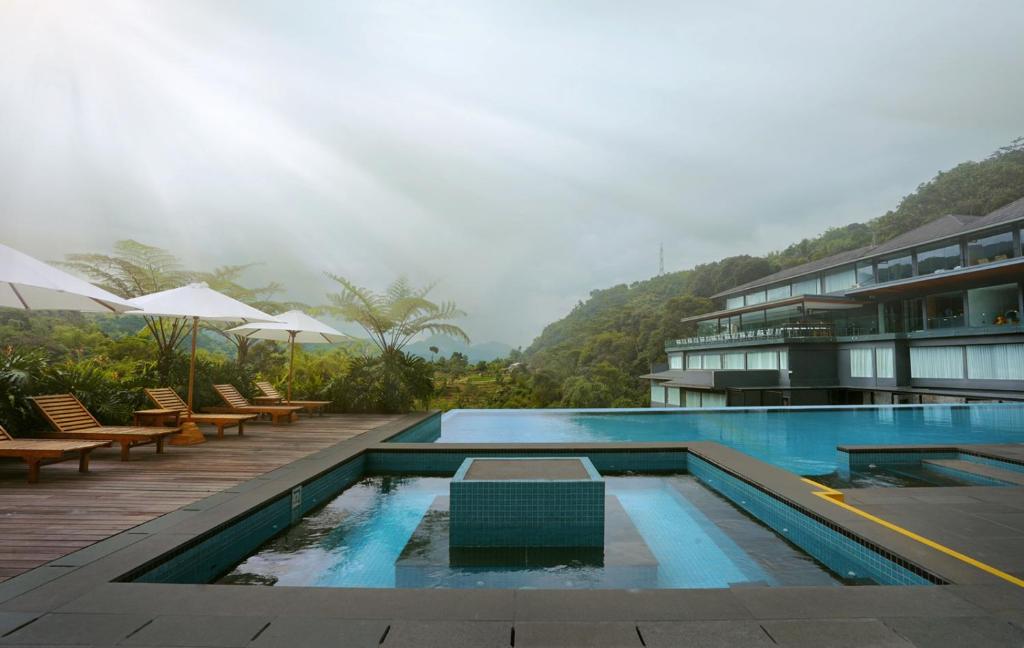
(802, 440)
(662, 532)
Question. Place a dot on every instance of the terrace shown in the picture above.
(88, 596)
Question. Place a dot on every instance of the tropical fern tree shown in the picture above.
(393, 318)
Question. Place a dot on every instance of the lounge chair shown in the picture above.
(36, 452)
(167, 398)
(70, 420)
(273, 396)
(235, 403)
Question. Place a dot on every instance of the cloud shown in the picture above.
(521, 153)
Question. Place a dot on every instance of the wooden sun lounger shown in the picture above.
(70, 420)
(235, 403)
(271, 395)
(167, 398)
(36, 452)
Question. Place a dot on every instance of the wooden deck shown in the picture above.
(67, 510)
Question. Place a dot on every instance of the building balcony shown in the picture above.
(822, 332)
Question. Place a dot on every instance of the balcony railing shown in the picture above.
(790, 332)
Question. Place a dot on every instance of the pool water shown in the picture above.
(679, 535)
(802, 440)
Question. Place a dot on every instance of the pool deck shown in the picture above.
(67, 510)
(76, 599)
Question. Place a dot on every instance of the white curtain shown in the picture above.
(712, 361)
(657, 394)
(806, 287)
(673, 396)
(840, 280)
(996, 361)
(762, 360)
(861, 364)
(784, 359)
(675, 362)
(732, 361)
(714, 399)
(937, 362)
(693, 361)
(692, 399)
(884, 363)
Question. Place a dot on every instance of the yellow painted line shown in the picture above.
(836, 497)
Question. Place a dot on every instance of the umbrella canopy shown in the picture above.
(28, 284)
(198, 302)
(295, 326)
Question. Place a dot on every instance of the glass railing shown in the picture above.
(788, 332)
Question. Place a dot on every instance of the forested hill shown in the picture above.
(598, 349)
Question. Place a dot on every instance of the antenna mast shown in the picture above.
(661, 259)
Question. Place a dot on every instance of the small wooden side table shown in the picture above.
(157, 418)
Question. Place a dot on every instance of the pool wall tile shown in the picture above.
(843, 554)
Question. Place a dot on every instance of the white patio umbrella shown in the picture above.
(28, 284)
(295, 326)
(196, 302)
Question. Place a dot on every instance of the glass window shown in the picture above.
(809, 286)
(758, 297)
(861, 363)
(762, 360)
(712, 361)
(692, 399)
(734, 302)
(995, 361)
(865, 273)
(729, 324)
(657, 393)
(990, 248)
(937, 362)
(713, 399)
(895, 268)
(693, 361)
(781, 316)
(892, 317)
(914, 311)
(779, 292)
(993, 306)
(707, 327)
(752, 321)
(885, 366)
(946, 257)
(840, 280)
(675, 362)
(784, 359)
(674, 396)
(945, 310)
(733, 361)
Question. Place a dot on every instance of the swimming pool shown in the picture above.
(802, 440)
(662, 532)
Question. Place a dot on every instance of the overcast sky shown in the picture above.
(520, 152)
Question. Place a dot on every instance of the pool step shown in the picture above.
(971, 469)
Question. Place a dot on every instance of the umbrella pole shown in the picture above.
(291, 365)
(190, 434)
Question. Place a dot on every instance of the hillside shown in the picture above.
(446, 346)
(597, 350)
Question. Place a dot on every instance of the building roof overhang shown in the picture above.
(1009, 269)
(808, 302)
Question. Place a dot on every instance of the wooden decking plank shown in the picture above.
(67, 510)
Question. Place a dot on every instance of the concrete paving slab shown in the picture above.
(853, 602)
(77, 629)
(1000, 597)
(834, 633)
(957, 633)
(548, 634)
(631, 605)
(10, 621)
(703, 634)
(320, 633)
(177, 630)
(449, 634)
